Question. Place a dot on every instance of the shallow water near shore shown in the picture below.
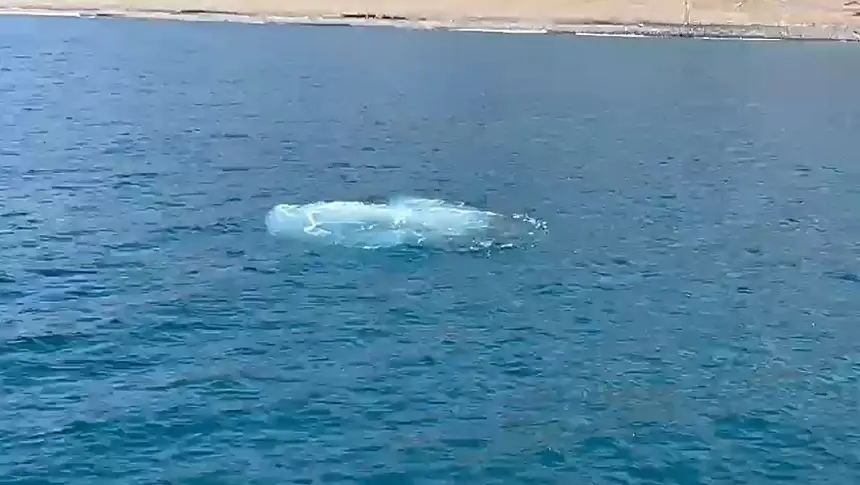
(689, 316)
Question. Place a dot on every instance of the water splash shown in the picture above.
(412, 222)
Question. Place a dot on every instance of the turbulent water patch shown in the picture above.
(402, 222)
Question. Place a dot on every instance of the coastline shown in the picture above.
(809, 32)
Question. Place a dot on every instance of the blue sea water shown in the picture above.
(690, 315)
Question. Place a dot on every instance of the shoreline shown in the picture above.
(827, 33)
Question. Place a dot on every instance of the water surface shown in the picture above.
(690, 318)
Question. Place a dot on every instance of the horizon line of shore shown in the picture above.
(838, 33)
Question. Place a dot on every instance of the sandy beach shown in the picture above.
(771, 19)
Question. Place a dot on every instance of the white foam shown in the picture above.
(405, 221)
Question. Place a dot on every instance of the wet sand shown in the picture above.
(770, 19)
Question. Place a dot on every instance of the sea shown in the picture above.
(258, 255)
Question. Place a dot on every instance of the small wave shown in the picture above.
(413, 222)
